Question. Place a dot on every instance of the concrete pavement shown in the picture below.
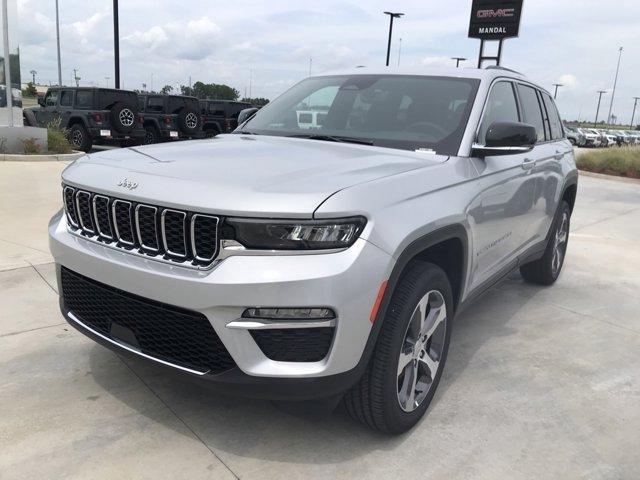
(540, 383)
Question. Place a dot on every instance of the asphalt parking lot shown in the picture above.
(540, 382)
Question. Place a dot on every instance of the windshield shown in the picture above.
(395, 111)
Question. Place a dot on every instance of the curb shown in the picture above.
(53, 157)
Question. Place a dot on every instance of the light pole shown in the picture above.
(557, 85)
(116, 44)
(58, 42)
(633, 115)
(33, 76)
(458, 60)
(107, 80)
(600, 93)
(392, 15)
(399, 51)
(615, 82)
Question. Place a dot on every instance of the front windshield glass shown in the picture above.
(395, 111)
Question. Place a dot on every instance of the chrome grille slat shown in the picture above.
(173, 236)
(148, 240)
(83, 211)
(171, 222)
(203, 226)
(122, 222)
(68, 194)
(102, 219)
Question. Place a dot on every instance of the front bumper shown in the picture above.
(347, 282)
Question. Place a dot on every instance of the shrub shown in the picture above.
(623, 161)
(31, 146)
(57, 140)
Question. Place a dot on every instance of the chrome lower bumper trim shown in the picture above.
(77, 321)
(264, 324)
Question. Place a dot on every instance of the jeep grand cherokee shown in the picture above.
(292, 263)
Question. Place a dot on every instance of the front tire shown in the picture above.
(151, 135)
(405, 369)
(546, 270)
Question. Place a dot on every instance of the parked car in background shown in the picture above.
(220, 116)
(591, 138)
(170, 117)
(328, 264)
(612, 138)
(634, 135)
(90, 115)
(575, 136)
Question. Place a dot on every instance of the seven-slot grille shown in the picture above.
(163, 233)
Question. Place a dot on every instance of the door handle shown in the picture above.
(528, 164)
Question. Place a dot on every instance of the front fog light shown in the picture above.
(289, 313)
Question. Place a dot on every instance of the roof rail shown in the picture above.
(497, 67)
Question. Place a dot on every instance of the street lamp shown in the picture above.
(633, 116)
(615, 82)
(600, 93)
(58, 43)
(557, 85)
(107, 79)
(116, 44)
(392, 15)
(458, 60)
(33, 76)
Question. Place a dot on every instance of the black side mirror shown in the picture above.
(246, 114)
(507, 138)
(41, 101)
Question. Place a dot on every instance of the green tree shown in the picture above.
(256, 102)
(30, 91)
(166, 89)
(211, 91)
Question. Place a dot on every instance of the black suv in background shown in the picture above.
(170, 117)
(90, 115)
(220, 116)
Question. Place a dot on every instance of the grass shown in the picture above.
(31, 146)
(623, 162)
(57, 140)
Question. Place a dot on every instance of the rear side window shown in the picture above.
(155, 104)
(51, 98)
(217, 109)
(84, 99)
(66, 98)
(531, 109)
(141, 103)
(554, 119)
(501, 107)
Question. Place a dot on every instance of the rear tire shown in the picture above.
(405, 368)
(151, 135)
(123, 117)
(546, 270)
(188, 120)
(79, 138)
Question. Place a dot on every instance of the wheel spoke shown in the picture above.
(435, 318)
(409, 387)
(429, 363)
(406, 357)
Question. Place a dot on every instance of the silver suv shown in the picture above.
(291, 263)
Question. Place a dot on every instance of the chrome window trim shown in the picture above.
(79, 322)
(193, 237)
(95, 217)
(137, 223)
(79, 215)
(115, 222)
(164, 236)
(73, 202)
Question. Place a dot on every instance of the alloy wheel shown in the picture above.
(422, 350)
(77, 138)
(126, 117)
(191, 120)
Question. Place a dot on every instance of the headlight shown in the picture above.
(295, 235)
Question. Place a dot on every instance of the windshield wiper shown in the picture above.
(334, 138)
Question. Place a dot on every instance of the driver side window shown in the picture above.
(51, 98)
(501, 107)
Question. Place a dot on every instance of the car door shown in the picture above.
(66, 106)
(44, 114)
(545, 157)
(500, 213)
(548, 171)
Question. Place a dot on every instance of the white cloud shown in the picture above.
(568, 80)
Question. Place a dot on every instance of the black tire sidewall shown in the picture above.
(115, 117)
(150, 130)
(548, 254)
(422, 278)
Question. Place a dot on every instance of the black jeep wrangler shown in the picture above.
(220, 116)
(90, 115)
(170, 117)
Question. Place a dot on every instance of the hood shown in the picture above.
(241, 175)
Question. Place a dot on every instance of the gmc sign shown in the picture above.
(495, 19)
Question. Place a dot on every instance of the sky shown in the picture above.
(263, 48)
